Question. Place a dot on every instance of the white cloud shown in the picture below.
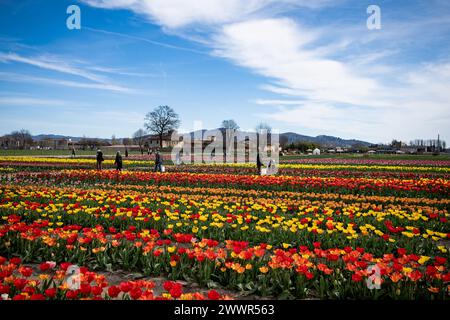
(134, 118)
(322, 118)
(16, 77)
(51, 63)
(419, 108)
(181, 13)
(327, 81)
(28, 101)
(271, 102)
(275, 48)
(61, 65)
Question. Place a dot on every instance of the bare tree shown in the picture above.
(84, 142)
(127, 141)
(162, 120)
(113, 140)
(261, 127)
(230, 127)
(22, 138)
(139, 138)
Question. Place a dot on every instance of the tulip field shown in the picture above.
(323, 228)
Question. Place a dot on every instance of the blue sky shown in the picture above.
(310, 67)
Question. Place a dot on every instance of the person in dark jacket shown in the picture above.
(126, 153)
(259, 163)
(158, 162)
(73, 153)
(118, 162)
(99, 159)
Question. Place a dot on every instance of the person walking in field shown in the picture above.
(271, 167)
(73, 153)
(158, 162)
(126, 153)
(99, 159)
(118, 162)
(259, 163)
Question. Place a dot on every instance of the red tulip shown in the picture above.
(72, 294)
(96, 291)
(51, 293)
(176, 291)
(4, 289)
(20, 283)
(113, 291)
(125, 286)
(213, 295)
(136, 293)
(44, 266)
(356, 277)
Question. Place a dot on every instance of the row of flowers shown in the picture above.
(258, 219)
(399, 187)
(371, 161)
(293, 171)
(322, 164)
(50, 281)
(270, 196)
(262, 269)
(242, 170)
(283, 236)
(362, 167)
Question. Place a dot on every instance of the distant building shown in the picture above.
(316, 152)
(152, 141)
(54, 144)
(428, 146)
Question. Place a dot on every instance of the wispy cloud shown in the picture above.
(142, 39)
(28, 101)
(16, 77)
(181, 13)
(276, 49)
(51, 63)
(62, 66)
(335, 78)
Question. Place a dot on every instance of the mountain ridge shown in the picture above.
(292, 137)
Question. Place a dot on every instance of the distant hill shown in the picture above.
(41, 137)
(292, 137)
(323, 140)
